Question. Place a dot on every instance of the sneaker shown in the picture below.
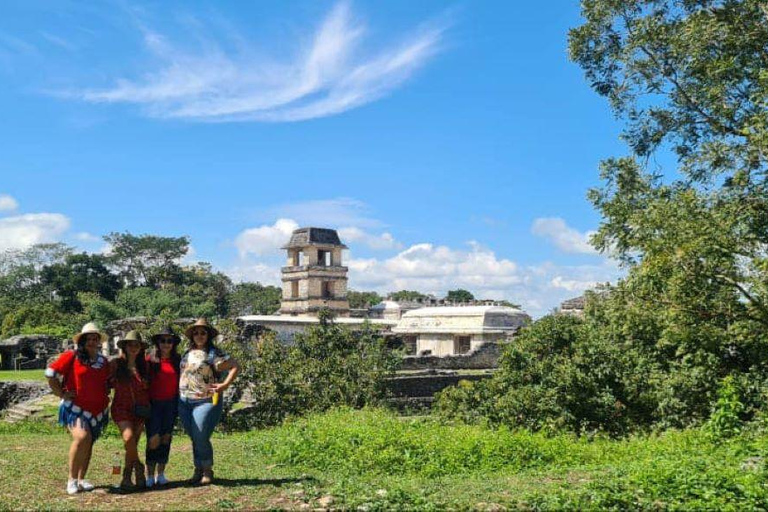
(161, 480)
(85, 485)
(72, 487)
(151, 481)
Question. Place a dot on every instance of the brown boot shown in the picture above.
(126, 484)
(207, 478)
(196, 476)
(138, 471)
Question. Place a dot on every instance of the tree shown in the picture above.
(359, 300)
(254, 299)
(691, 76)
(80, 273)
(460, 295)
(147, 260)
(407, 295)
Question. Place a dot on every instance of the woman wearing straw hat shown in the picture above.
(130, 405)
(200, 393)
(80, 378)
(164, 397)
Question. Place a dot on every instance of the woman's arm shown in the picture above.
(58, 390)
(232, 368)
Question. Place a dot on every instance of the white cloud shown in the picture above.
(22, 231)
(8, 203)
(255, 272)
(564, 237)
(380, 242)
(331, 75)
(265, 239)
(86, 237)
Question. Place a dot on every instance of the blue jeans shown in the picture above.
(199, 418)
(161, 423)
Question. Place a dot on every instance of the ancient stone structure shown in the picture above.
(573, 306)
(28, 351)
(314, 277)
(286, 327)
(455, 330)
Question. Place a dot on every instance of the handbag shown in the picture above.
(140, 410)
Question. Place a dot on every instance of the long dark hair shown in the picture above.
(209, 343)
(154, 368)
(80, 352)
(121, 370)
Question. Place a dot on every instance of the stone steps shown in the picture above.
(24, 410)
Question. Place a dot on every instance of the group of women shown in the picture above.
(151, 388)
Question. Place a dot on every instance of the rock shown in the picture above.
(325, 501)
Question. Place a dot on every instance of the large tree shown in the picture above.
(147, 260)
(690, 76)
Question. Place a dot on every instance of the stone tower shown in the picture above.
(314, 277)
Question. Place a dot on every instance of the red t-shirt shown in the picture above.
(165, 381)
(88, 381)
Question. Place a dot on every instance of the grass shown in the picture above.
(13, 375)
(372, 460)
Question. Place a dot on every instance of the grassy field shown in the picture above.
(373, 460)
(10, 375)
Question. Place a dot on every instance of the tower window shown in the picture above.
(294, 289)
(324, 258)
(327, 289)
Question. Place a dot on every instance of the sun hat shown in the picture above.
(201, 322)
(90, 328)
(166, 331)
(131, 336)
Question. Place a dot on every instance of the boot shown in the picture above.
(126, 484)
(207, 478)
(138, 470)
(196, 476)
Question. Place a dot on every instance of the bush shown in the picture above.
(326, 366)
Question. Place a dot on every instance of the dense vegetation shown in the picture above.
(688, 326)
(371, 459)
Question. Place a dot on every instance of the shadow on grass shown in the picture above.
(223, 482)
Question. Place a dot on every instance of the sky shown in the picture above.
(452, 144)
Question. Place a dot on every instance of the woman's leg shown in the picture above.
(185, 415)
(206, 416)
(130, 437)
(79, 450)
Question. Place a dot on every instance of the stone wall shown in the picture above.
(34, 350)
(12, 393)
(485, 356)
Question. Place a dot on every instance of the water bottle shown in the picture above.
(116, 469)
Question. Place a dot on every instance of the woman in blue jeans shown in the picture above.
(200, 393)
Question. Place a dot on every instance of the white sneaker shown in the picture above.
(161, 480)
(85, 485)
(72, 487)
(150, 481)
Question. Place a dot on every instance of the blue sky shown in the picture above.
(451, 143)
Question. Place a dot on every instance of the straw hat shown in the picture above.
(90, 328)
(165, 332)
(131, 336)
(201, 322)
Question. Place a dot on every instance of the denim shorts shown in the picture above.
(163, 417)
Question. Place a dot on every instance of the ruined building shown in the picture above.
(314, 277)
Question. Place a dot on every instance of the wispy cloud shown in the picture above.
(563, 236)
(329, 76)
(22, 231)
(337, 213)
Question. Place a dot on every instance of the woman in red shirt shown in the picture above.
(131, 382)
(164, 396)
(80, 378)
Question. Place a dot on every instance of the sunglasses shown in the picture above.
(196, 333)
(165, 340)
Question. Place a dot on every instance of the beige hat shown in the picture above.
(131, 336)
(90, 328)
(201, 322)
